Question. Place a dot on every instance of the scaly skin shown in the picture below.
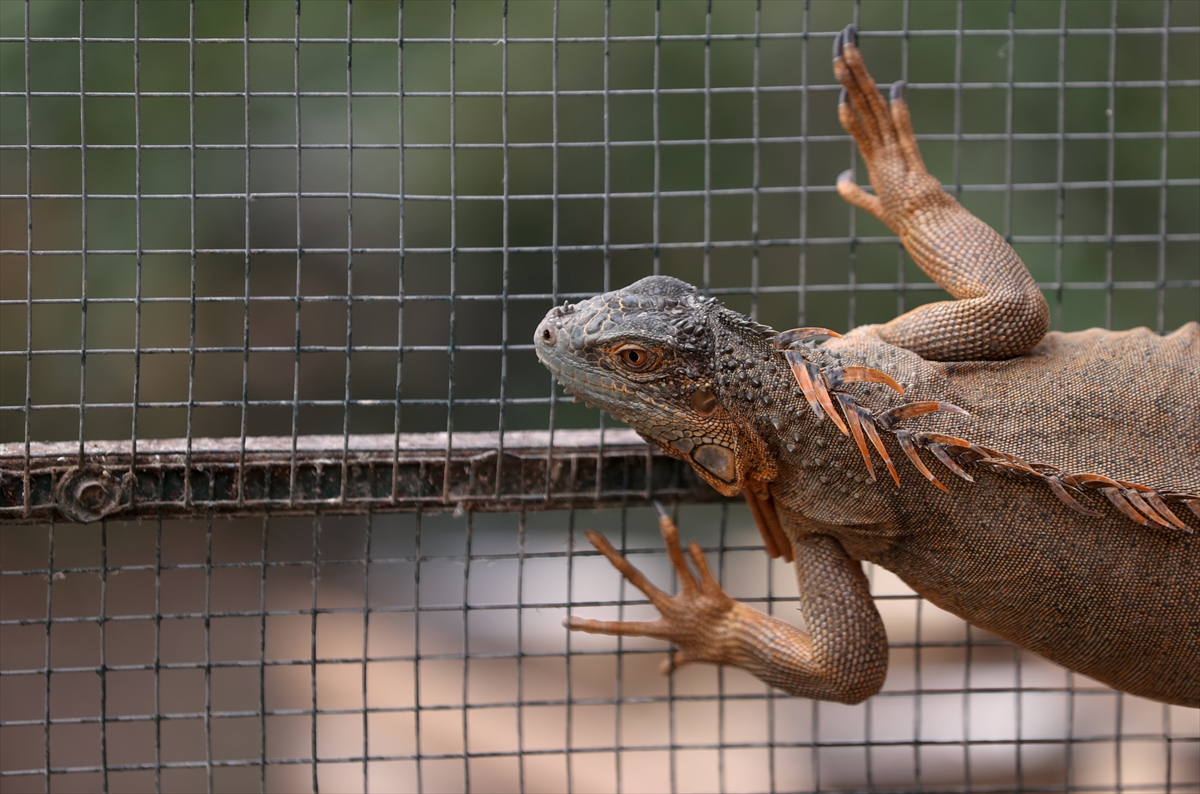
(1069, 527)
(999, 312)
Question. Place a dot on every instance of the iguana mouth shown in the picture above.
(589, 387)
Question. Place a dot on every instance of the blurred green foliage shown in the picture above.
(849, 282)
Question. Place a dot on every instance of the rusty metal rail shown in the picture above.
(352, 474)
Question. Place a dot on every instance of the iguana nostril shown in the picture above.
(547, 334)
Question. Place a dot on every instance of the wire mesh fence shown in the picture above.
(425, 652)
(283, 262)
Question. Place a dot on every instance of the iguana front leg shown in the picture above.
(842, 657)
(1000, 312)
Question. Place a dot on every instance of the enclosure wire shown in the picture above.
(1008, 229)
(83, 234)
(965, 711)
(453, 288)
(245, 401)
(299, 220)
(319, 559)
(28, 271)
(504, 237)
(606, 248)
(400, 292)
(1162, 190)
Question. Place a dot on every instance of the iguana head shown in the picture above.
(648, 355)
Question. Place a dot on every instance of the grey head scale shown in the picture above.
(648, 355)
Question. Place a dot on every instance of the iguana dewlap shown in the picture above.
(1045, 487)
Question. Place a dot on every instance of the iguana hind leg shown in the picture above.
(843, 657)
(999, 312)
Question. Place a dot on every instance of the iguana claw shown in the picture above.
(847, 35)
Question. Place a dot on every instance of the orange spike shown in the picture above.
(1091, 480)
(974, 453)
(1113, 491)
(945, 440)
(808, 375)
(851, 409)
(1139, 503)
(763, 491)
(1011, 461)
(1158, 508)
(890, 418)
(1151, 496)
(939, 452)
(937, 443)
(806, 385)
(906, 444)
(868, 425)
(819, 386)
(839, 375)
(788, 338)
(1114, 495)
(1069, 500)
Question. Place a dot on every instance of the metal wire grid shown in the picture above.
(725, 748)
(423, 652)
(453, 401)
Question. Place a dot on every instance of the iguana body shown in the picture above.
(1075, 536)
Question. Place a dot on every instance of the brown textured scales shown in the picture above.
(1068, 526)
(999, 312)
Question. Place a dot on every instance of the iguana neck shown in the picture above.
(817, 472)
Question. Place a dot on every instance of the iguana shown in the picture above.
(1042, 486)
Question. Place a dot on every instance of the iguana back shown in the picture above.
(1102, 595)
(1123, 404)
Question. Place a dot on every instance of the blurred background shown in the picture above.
(244, 241)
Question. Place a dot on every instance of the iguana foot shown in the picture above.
(884, 134)
(845, 659)
(1000, 311)
(696, 621)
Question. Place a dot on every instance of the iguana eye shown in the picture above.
(636, 358)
